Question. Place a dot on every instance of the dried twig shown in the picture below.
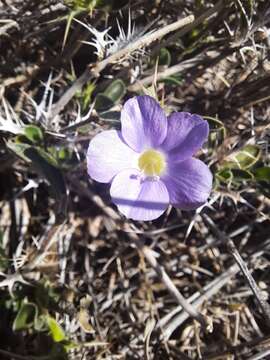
(262, 300)
(260, 355)
(174, 319)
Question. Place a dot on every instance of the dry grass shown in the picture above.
(63, 247)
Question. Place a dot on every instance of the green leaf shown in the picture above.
(115, 91)
(25, 317)
(64, 154)
(244, 158)
(173, 80)
(164, 57)
(241, 175)
(19, 149)
(103, 103)
(216, 124)
(47, 170)
(224, 175)
(40, 323)
(69, 20)
(33, 133)
(111, 116)
(4, 260)
(87, 95)
(262, 173)
(44, 163)
(56, 331)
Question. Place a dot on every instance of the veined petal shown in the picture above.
(107, 155)
(189, 183)
(186, 134)
(139, 199)
(144, 123)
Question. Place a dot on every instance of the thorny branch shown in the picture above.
(94, 72)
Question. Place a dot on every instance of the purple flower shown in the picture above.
(149, 163)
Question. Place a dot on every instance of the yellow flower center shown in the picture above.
(152, 162)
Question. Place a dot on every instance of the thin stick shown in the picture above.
(166, 280)
(172, 321)
(249, 278)
(261, 355)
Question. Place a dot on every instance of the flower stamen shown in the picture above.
(152, 162)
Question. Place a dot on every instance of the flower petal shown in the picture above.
(137, 198)
(189, 183)
(107, 155)
(144, 123)
(185, 135)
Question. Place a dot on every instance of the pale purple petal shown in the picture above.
(189, 183)
(144, 123)
(185, 135)
(139, 199)
(107, 155)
